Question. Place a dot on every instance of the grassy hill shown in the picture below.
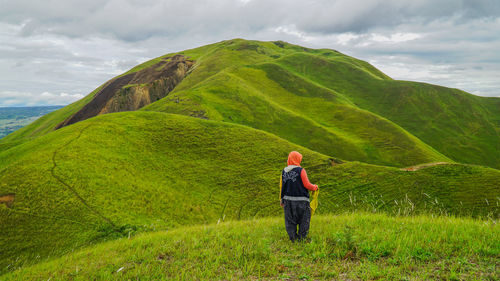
(323, 100)
(130, 172)
(345, 247)
(349, 108)
(461, 126)
(165, 168)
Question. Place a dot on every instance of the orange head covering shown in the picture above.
(294, 158)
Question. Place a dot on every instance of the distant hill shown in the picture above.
(14, 118)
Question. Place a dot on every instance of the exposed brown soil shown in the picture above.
(8, 199)
(335, 162)
(143, 87)
(418, 167)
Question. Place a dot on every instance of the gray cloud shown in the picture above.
(362, 16)
(73, 46)
(138, 20)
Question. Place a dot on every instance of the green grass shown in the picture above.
(344, 247)
(137, 170)
(446, 190)
(141, 171)
(161, 169)
(461, 126)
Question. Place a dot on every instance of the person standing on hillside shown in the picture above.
(294, 197)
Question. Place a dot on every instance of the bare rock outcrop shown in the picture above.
(135, 90)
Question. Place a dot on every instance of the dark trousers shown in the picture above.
(297, 213)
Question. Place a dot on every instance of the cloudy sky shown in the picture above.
(56, 51)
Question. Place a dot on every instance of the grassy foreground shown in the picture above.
(345, 247)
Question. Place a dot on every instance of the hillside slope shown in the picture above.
(346, 247)
(121, 173)
(320, 99)
(349, 108)
(462, 126)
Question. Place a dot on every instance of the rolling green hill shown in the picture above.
(130, 172)
(461, 126)
(349, 108)
(164, 166)
(320, 99)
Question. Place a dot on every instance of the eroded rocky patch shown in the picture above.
(135, 90)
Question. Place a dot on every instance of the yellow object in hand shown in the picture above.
(314, 201)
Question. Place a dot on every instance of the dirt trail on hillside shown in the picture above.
(422, 166)
(70, 187)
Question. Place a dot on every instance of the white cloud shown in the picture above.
(10, 98)
(292, 30)
(345, 38)
(395, 38)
